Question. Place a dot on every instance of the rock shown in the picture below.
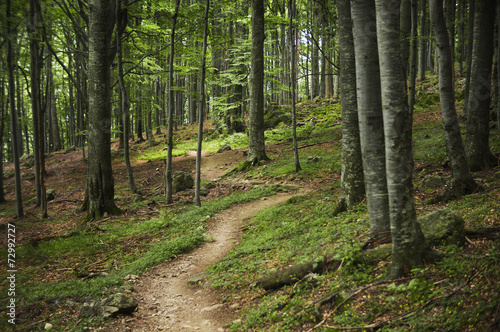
(208, 238)
(443, 227)
(204, 191)
(51, 194)
(433, 182)
(182, 181)
(27, 160)
(313, 159)
(198, 279)
(225, 147)
(8, 173)
(48, 326)
(118, 303)
(210, 185)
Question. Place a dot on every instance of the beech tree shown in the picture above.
(371, 125)
(409, 247)
(353, 186)
(256, 144)
(477, 134)
(100, 191)
(462, 181)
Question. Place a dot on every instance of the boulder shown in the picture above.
(182, 181)
(27, 160)
(118, 303)
(225, 147)
(443, 227)
(433, 181)
(51, 194)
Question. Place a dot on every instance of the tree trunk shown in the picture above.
(100, 191)
(370, 113)
(256, 144)
(462, 182)
(409, 247)
(406, 32)
(2, 126)
(413, 56)
(314, 56)
(202, 108)
(121, 19)
(293, 82)
(171, 109)
(422, 47)
(353, 186)
(470, 44)
(477, 133)
(11, 33)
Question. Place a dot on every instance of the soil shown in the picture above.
(167, 302)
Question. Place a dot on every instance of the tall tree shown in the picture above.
(409, 247)
(121, 24)
(421, 40)
(202, 107)
(370, 113)
(353, 186)
(171, 108)
(256, 144)
(100, 190)
(11, 34)
(477, 133)
(293, 81)
(413, 56)
(462, 182)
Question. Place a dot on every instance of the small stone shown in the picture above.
(48, 326)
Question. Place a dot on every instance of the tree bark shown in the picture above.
(293, 82)
(413, 56)
(470, 44)
(477, 133)
(121, 19)
(353, 186)
(100, 189)
(256, 144)
(409, 247)
(11, 33)
(171, 109)
(462, 182)
(202, 107)
(422, 47)
(370, 113)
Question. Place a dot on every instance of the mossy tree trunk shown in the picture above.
(410, 249)
(477, 133)
(353, 186)
(256, 144)
(100, 191)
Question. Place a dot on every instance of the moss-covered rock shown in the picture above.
(443, 227)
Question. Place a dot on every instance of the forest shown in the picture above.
(300, 165)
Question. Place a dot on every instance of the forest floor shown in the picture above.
(285, 217)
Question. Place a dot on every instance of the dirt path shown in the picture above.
(167, 303)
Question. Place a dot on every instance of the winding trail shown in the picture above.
(168, 303)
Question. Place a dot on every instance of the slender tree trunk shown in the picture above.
(353, 186)
(422, 47)
(256, 144)
(100, 191)
(125, 104)
(470, 44)
(406, 32)
(413, 56)
(370, 114)
(2, 126)
(202, 107)
(11, 33)
(315, 55)
(462, 182)
(477, 133)
(171, 109)
(293, 82)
